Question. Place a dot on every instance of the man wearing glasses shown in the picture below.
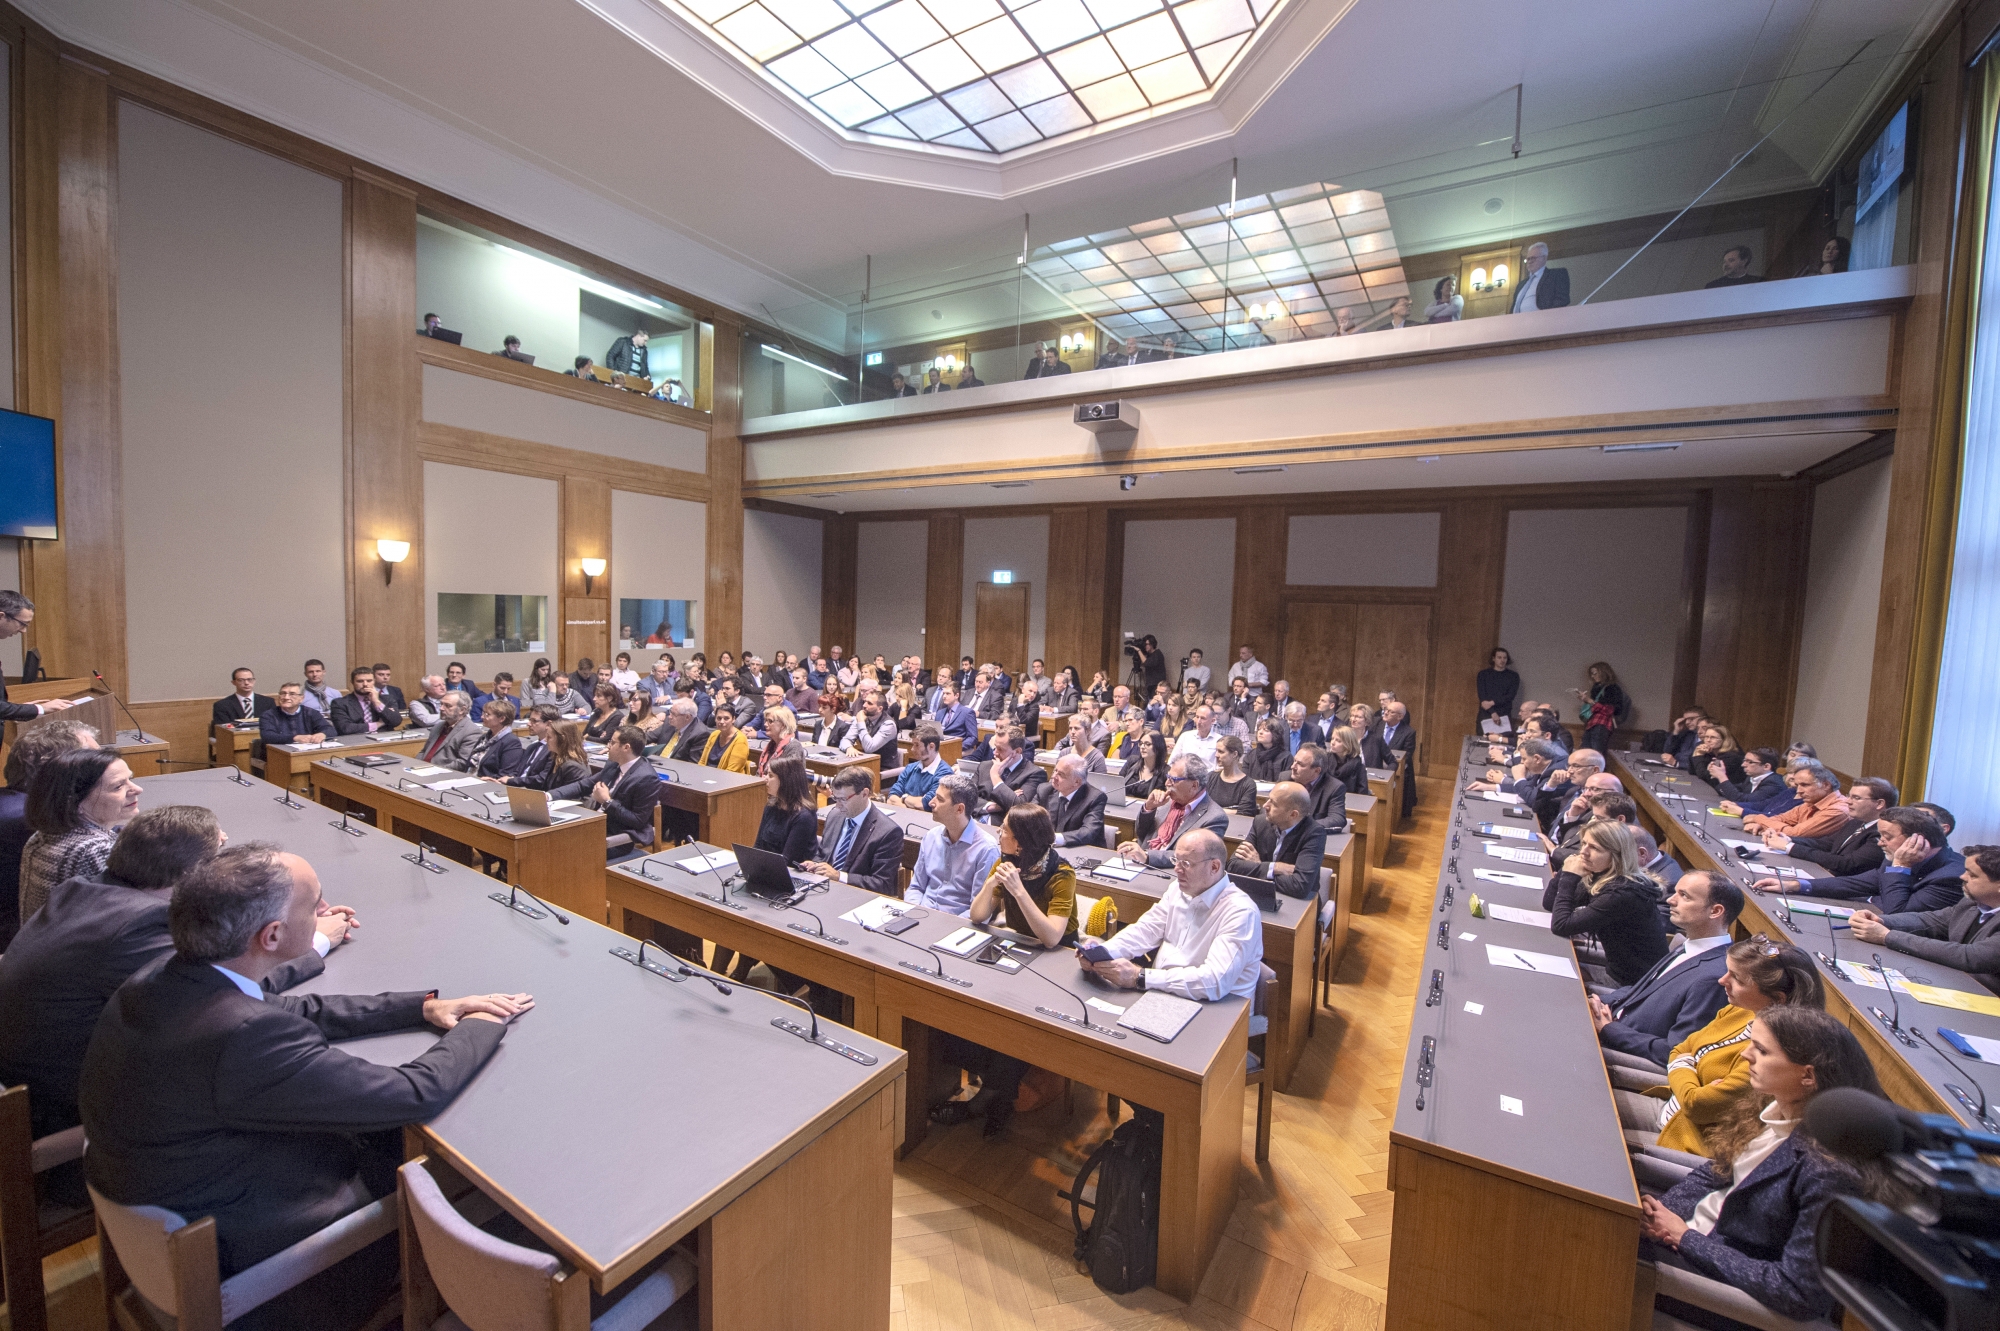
(16, 613)
(1172, 815)
(1209, 936)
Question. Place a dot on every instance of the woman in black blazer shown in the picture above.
(1269, 760)
(1717, 745)
(1146, 771)
(1349, 769)
(604, 721)
(1601, 892)
(789, 825)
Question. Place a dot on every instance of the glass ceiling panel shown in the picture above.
(984, 75)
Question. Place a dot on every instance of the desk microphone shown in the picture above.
(342, 825)
(821, 932)
(285, 798)
(121, 705)
(1895, 1007)
(1833, 942)
(1083, 1021)
(507, 899)
(936, 960)
(721, 883)
(689, 972)
(1979, 1111)
(417, 857)
(810, 1034)
(473, 800)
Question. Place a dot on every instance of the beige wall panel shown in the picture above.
(1180, 577)
(656, 554)
(781, 582)
(1362, 550)
(492, 533)
(229, 335)
(1843, 596)
(889, 603)
(474, 403)
(1020, 544)
(1586, 585)
(1838, 359)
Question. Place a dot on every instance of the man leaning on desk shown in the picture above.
(205, 1095)
(1964, 936)
(291, 721)
(1174, 813)
(16, 613)
(1205, 932)
(363, 711)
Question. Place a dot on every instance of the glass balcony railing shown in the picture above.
(1468, 235)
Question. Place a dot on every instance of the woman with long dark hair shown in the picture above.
(609, 714)
(790, 826)
(1146, 771)
(77, 803)
(1269, 759)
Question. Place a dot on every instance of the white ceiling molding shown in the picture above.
(197, 51)
(1288, 39)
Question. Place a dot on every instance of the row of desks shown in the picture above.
(627, 1112)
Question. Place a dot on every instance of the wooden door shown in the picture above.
(586, 630)
(1318, 647)
(1000, 625)
(1392, 650)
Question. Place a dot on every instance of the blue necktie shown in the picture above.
(846, 843)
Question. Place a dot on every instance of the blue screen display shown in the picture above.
(27, 476)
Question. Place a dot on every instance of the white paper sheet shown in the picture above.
(1538, 858)
(1741, 844)
(874, 913)
(715, 860)
(1507, 878)
(1499, 797)
(1116, 869)
(1866, 975)
(1542, 963)
(458, 782)
(1510, 833)
(1807, 906)
(1496, 725)
(426, 771)
(1989, 1050)
(1675, 795)
(1515, 915)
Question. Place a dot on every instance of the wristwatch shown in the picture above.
(1142, 979)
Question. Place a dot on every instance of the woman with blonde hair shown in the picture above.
(1717, 749)
(1348, 767)
(1600, 891)
(781, 733)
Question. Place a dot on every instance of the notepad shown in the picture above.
(963, 942)
(1116, 869)
(874, 912)
(1499, 797)
(1512, 855)
(1745, 845)
(1159, 1016)
(1510, 833)
(1802, 906)
(1515, 915)
(1674, 795)
(1496, 725)
(709, 863)
(1541, 963)
(426, 771)
(1988, 1050)
(1857, 973)
(1507, 878)
(458, 782)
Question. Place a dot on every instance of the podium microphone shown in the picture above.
(121, 705)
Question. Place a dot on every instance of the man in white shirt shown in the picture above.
(1201, 740)
(956, 856)
(1195, 671)
(1249, 669)
(1209, 935)
(427, 708)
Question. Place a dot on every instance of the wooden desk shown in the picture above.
(728, 805)
(1362, 811)
(142, 753)
(750, 1140)
(1386, 783)
(950, 748)
(232, 745)
(1196, 1082)
(562, 863)
(829, 762)
(290, 766)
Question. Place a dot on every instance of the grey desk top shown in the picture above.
(711, 779)
(1192, 1053)
(472, 804)
(1531, 1041)
(355, 742)
(1291, 911)
(1810, 932)
(624, 1109)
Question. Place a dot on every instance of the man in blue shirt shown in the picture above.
(956, 856)
(918, 780)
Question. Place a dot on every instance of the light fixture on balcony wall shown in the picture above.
(391, 553)
(593, 569)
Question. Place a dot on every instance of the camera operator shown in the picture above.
(1149, 665)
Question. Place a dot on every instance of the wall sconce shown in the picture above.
(1499, 277)
(593, 569)
(1479, 279)
(391, 553)
(1267, 310)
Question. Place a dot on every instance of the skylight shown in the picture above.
(987, 76)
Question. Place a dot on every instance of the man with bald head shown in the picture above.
(1561, 785)
(1208, 933)
(1286, 843)
(1075, 806)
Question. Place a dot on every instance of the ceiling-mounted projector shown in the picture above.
(1114, 423)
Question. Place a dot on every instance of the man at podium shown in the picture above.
(16, 613)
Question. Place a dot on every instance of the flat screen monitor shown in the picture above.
(28, 461)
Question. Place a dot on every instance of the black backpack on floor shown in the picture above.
(1120, 1247)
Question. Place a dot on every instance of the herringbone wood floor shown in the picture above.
(982, 1241)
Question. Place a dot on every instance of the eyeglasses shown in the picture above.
(1765, 947)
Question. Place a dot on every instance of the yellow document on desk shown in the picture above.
(1954, 998)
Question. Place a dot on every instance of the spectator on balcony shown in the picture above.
(1542, 287)
(583, 369)
(1832, 258)
(1345, 323)
(934, 382)
(1045, 364)
(900, 387)
(1446, 306)
(510, 347)
(967, 379)
(628, 355)
(1735, 269)
(1169, 348)
(1126, 354)
(1399, 313)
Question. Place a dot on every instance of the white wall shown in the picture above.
(1180, 581)
(232, 476)
(493, 533)
(658, 551)
(1622, 605)
(1362, 550)
(889, 602)
(473, 403)
(1020, 544)
(781, 582)
(1843, 594)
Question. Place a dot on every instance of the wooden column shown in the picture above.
(385, 478)
(587, 604)
(1079, 538)
(1256, 614)
(38, 317)
(944, 587)
(1752, 603)
(839, 573)
(84, 572)
(722, 617)
(1472, 569)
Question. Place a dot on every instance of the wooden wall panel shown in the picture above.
(38, 314)
(385, 477)
(585, 533)
(723, 623)
(1753, 599)
(944, 586)
(1073, 631)
(1256, 613)
(92, 558)
(839, 573)
(1472, 570)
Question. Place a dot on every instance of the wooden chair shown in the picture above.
(1713, 1296)
(1324, 960)
(161, 1271)
(29, 1230)
(459, 1277)
(620, 840)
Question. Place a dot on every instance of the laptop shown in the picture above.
(1260, 890)
(1114, 790)
(447, 335)
(530, 808)
(765, 874)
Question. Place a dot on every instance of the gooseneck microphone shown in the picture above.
(1895, 1007)
(1083, 1003)
(810, 1034)
(508, 899)
(721, 897)
(937, 962)
(1978, 1111)
(121, 704)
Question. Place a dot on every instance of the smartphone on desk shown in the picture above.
(1095, 953)
(902, 924)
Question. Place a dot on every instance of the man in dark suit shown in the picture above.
(362, 711)
(1326, 797)
(453, 737)
(626, 788)
(1964, 935)
(90, 936)
(1852, 848)
(989, 700)
(1010, 778)
(205, 1095)
(498, 753)
(1046, 364)
(684, 731)
(291, 721)
(1392, 734)
(1075, 806)
(1682, 992)
(1126, 354)
(387, 691)
(1919, 871)
(16, 613)
(246, 704)
(954, 719)
(1170, 814)
(1287, 844)
(1542, 287)
(860, 844)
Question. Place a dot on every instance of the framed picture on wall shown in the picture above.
(475, 623)
(647, 622)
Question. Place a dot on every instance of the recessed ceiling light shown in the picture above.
(1495, 205)
(1638, 448)
(1255, 471)
(1010, 485)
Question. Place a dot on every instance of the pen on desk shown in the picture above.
(1523, 960)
